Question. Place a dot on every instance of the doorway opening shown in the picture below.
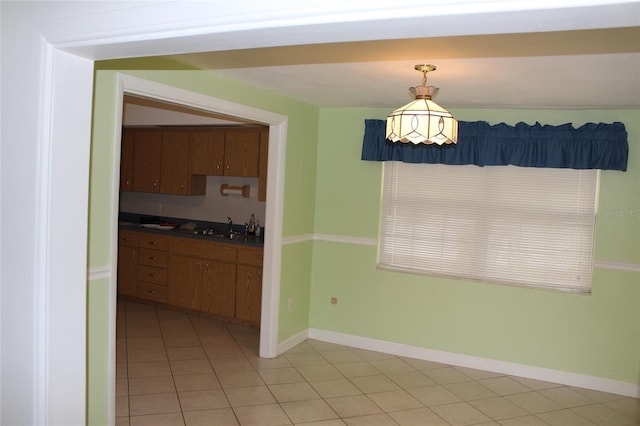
(213, 107)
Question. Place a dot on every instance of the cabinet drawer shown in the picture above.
(204, 249)
(250, 256)
(153, 292)
(128, 238)
(153, 241)
(153, 275)
(155, 258)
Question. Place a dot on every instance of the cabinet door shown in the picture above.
(242, 152)
(262, 165)
(249, 294)
(218, 288)
(147, 158)
(126, 160)
(127, 271)
(174, 172)
(184, 282)
(207, 152)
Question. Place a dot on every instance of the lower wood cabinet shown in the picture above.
(128, 271)
(186, 282)
(128, 263)
(249, 285)
(220, 279)
(219, 288)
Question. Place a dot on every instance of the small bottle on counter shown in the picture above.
(252, 225)
(258, 230)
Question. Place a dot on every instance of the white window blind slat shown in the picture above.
(515, 225)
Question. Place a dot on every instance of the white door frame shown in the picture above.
(275, 189)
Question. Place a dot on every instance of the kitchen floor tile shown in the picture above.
(293, 392)
(272, 376)
(353, 406)
(221, 417)
(417, 416)
(370, 420)
(262, 415)
(191, 382)
(308, 411)
(460, 414)
(251, 395)
(498, 408)
(171, 419)
(160, 403)
(335, 387)
(203, 400)
(152, 384)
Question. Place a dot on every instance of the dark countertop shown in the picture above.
(219, 231)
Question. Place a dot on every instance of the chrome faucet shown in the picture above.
(230, 222)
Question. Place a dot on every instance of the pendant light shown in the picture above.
(422, 120)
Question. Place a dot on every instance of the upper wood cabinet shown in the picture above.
(207, 151)
(147, 159)
(262, 165)
(242, 152)
(126, 161)
(176, 176)
(176, 160)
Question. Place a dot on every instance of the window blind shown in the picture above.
(506, 224)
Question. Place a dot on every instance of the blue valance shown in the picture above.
(591, 146)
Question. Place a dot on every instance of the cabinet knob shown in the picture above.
(152, 291)
(152, 275)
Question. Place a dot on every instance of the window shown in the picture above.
(506, 224)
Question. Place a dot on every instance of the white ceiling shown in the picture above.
(520, 59)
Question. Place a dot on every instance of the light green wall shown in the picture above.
(596, 335)
(299, 199)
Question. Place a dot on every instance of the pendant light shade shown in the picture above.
(422, 120)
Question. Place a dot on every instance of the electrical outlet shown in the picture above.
(290, 304)
(334, 300)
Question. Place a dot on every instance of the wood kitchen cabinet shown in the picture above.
(147, 159)
(207, 151)
(186, 282)
(153, 262)
(177, 160)
(176, 176)
(128, 263)
(262, 165)
(126, 160)
(249, 285)
(216, 278)
(203, 276)
(218, 288)
(242, 152)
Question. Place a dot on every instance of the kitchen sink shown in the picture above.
(236, 236)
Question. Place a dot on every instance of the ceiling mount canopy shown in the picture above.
(422, 120)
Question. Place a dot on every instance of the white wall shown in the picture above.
(211, 207)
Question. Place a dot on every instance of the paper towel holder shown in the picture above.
(226, 189)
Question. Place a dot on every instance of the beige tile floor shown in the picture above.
(179, 369)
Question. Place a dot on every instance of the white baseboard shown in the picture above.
(450, 358)
(293, 341)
